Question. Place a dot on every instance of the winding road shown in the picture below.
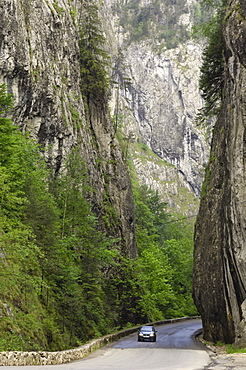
(174, 348)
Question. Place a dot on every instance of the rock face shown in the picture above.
(39, 62)
(220, 249)
(163, 99)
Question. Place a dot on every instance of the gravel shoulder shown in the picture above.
(221, 360)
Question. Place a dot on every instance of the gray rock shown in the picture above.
(220, 251)
(39, 62)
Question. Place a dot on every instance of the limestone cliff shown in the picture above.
(39, 62)
(220, 249)
(160, 103)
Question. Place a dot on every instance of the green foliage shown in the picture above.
(151, 215)
(230, 348)
(20, 276)
(212, 3)
(156, 276)
(93, 57)
(125, 284)
(63, 280)
(158, 21)
(212, 70)
(57, 7)
(6, 101)
(52, 252)
(165, 259)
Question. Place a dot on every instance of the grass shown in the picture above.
(230, 348)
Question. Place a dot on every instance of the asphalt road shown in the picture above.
(173, 349)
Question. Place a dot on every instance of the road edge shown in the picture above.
(18, 358)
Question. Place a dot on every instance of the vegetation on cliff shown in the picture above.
(163, 21)
(145, 21)
(219, 273)
(93, 57)
(165, 257)
(63, 281)
(212, 69)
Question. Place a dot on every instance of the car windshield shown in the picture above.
(146, 328)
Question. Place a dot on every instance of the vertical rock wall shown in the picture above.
(164, 98)
(220, 240)
(39, 62)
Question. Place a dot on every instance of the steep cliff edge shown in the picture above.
(39, 62)
(220, 254)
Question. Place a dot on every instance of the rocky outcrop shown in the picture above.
(39, 62)
(160, 104)
(166, 179)
(220, 249)
(164, 98)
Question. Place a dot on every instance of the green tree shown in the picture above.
(141, 21)
(212, 70)
(20, 272)
(65, 280)
(156, 280)
(165, 259)
(151, 215)
(93, 57)
(92, 251)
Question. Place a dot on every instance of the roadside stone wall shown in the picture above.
(17, 358)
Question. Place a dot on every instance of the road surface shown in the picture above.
(173, 349)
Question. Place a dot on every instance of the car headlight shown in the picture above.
(152, 334)
(141, 334)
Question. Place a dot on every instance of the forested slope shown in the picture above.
(63, 280)
(83, 251)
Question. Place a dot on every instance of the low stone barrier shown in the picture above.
(18, 358)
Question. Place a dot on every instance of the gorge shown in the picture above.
(97, 144)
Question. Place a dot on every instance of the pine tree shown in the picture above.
(212, 70)
(93, 57)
